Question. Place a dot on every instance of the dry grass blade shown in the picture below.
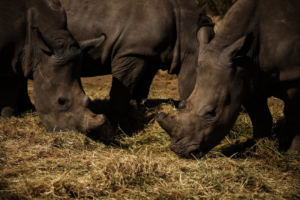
(39, 165)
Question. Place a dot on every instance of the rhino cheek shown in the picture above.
(215, 134)
(81, 120)
(63, 106)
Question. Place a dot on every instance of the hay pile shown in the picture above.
(39, 165)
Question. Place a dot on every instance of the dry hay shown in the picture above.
(40, 165)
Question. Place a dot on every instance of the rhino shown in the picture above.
(36, 44)
(141, 38)
(254, 55)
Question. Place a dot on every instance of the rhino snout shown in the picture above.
(187, 152)
(92, 121)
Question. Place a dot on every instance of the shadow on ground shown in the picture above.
(280, 133)
(135, 121)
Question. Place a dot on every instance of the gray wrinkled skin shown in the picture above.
(35, 43)
(141, 38)
(254, 55)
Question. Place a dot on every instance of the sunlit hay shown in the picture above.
(109, 164)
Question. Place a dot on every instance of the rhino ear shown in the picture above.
(41, 41)
(204, 36)
(87, 45)
(239, 48)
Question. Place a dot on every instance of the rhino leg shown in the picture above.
(10, 88)
(260, 116)
(126, 72)
(24, 102)
(292, 116)
(142, 89)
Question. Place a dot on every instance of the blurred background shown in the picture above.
(216, 7)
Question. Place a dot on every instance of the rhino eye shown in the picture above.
(60, 43)
(211, 113)
(208, 111)
(63, 101)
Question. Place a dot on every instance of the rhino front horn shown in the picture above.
(165, 122)
(94, 122)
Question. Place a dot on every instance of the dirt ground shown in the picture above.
(162, 83)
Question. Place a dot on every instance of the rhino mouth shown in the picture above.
(189, 151)
(197, 154)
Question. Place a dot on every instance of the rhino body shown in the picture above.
(141, 38)
(254, 55)
(36, 44)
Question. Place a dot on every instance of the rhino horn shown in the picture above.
(166, 122)
(87, 45)
(42, 41)
(238, 48)
(94, 122)
(204, 36)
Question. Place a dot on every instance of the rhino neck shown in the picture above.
(186, 13)
(243, 18)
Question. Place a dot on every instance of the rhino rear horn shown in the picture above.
(41, 40)
(87, 45)
(204, 36)
(238, 48)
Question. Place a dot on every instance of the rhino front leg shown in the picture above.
(127, 71)
(142, 89)
(260, 116)
(10, 88)
(292, 116)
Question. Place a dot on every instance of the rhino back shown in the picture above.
(280, 38)
(276, 30)
(17, 17)
(145, 27)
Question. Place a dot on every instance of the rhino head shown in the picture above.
(222, 83)
(52, 59)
